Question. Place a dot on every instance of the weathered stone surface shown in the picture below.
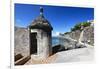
(67, 42)
(75, 34)
(75, 55)
(88, 35)
(21, 41)
(43, 44)
(40, 37)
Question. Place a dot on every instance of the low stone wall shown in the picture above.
(68, 43)
(21, 41)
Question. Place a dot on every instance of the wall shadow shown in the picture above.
(57, 48)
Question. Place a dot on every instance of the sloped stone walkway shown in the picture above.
(74, 55)
(48, 60)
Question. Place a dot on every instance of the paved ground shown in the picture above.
(75, 55)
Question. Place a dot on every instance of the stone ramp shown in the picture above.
(48, 60)
(74, 55)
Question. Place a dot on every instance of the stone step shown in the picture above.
(22, 60)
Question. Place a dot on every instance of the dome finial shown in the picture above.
(41, 11)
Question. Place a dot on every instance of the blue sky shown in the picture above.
(61, 18)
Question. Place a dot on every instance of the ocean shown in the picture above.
(55, 41)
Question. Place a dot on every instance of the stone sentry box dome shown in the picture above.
(40, 37)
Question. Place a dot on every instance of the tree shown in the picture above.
(78, 26)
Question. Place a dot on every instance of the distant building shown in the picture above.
(40, 37)
(91, 21)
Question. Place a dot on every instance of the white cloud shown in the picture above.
(55, 33)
